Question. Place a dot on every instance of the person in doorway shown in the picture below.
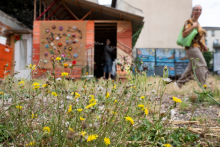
(195, 50)
(108, 59)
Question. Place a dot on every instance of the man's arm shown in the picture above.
(109, 49)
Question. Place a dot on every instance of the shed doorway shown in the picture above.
(104, 31)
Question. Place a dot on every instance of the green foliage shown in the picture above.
(208, 57)
(174, 137)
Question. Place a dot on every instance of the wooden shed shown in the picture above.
(76, 31)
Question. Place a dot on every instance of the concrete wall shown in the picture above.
(94, 1)
(210, 39)
(163, 20)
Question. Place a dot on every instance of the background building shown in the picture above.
(163, 20)
(213, 38)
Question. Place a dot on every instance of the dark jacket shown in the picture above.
(107, 52)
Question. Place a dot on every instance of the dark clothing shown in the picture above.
(107, 52)
(108, 65)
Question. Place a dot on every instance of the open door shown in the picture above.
(104, 31)
(23, 56)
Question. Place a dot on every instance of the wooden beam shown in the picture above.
(78, 5)
(40, 8)
(69, 10)
(44, 10)
(61, 12)
(105, 8)
(87, 14)
(53, 12)
(35, 9)
(47, 9)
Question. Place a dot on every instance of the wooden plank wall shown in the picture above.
(124, 43)
(76, 72)
(90, 35)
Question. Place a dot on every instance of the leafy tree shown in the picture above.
(22, 10)
(208, 57)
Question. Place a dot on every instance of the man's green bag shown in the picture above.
(186, 41)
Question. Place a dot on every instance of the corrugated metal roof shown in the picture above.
(81, 7)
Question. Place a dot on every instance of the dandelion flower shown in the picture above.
(54, 94)
(31, 143)
(142, 97)
(141, 106)
(167, 145)
(69, 109)
(115, 101)
(21, 83)
(71, 129)
(83, 133)
(107, 95)
(32, 67)
(129, 119)
(36, 85)
(114, 87)
(19, 107)
(58, 58)
(90, 105)
(81, 118)
(92, 101)
(205, 86)
(64, 74)
(146, 111)
(114, 112)
(1, 93)
(92, 137)
(46, 130)
(107, 141)
(33, 115)
(79, 110)
(45, 85)
(177, 100)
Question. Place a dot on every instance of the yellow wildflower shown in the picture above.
(79, 110)
(21, 83)
(58, 58)
(46, 130)
(70, 109)
(83, 133)
(32, 67)
(76, 94)
(36, 85)
(87, 73)
(90, 105)
(205, 86)
(33, 116)
(1, 93)
(141, 106)
(167, 145)
(97, 117)
(92, 137)
(45, 85)
(114, 87)
(64, 74)
(19, 107)
(54, 94)
(92, 96)
(142, 97)
(129, 119)
(92, 101)
(81, 118)
(31, 143)
(114, 112)
(106, 141)
(146, 111)
(71, 129)
(115, 101)
(107, 95)
(177, 100)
